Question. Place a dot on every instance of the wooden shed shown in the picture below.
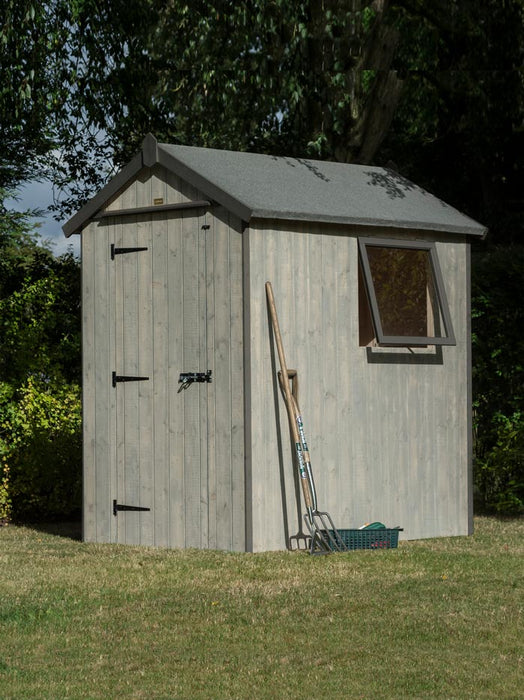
(186, 441)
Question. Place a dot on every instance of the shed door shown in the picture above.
(160, 333)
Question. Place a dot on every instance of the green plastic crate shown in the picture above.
(385, 538)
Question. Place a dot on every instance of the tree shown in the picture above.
(91, 78)
(283, 77)
(459, 129)
(84, 80)
(31, 51)
(498, 379)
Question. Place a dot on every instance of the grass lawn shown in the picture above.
(435, 618)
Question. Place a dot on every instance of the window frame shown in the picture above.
(447, 337)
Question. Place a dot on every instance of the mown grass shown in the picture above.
(438, 618)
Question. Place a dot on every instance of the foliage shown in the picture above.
(30, 76)
(20, 249)
(40, 449)
(291, 78)
(86, 80)
(458, 129)
(500, 474)
(6, 504)
(40, 459)
(498, 378)
(40, 320)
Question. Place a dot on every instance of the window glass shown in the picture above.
(404, 294)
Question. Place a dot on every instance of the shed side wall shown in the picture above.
(388, 431)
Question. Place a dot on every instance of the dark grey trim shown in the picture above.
(86, 213)
(448, 337)
(376, 357)
(152, 209)
(149, 151)
(469, 391)
(248, 390)
(368, 223)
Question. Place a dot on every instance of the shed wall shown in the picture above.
(388, 430)
(176, 307)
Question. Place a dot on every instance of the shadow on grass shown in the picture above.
(71, 529)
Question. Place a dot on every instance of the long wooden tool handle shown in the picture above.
(278, 340)
(306, 489)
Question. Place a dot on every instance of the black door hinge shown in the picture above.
(122, 251)
(119, 507)
(116, 378)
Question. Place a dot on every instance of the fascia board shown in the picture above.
(473, 230)
(88, 211)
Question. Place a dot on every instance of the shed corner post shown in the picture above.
(248, 460)
(469, 370)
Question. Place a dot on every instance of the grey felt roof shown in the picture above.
(268, 187)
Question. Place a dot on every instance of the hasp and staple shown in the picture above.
(187, 378)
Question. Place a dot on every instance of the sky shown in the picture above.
(39, 195)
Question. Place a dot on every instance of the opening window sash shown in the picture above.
(405, 292)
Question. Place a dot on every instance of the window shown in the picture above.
(401, 294)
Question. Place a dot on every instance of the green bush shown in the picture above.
(498, 379)
(500, 473)
(40, 451)
(40, 434)
(5, 498)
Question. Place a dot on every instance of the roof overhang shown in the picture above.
(254, 186)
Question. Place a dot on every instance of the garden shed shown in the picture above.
(186, 441)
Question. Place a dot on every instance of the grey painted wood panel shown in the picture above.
(147, 351)
(222, 347)
(98, 425)
(102, 374)
(236, 341)
(153, 186)
(173, 308)
(88, 394)
(387, 430)
(127, 363)
(191, 395)
(204, 390)
(146, 345)
(160, 372)
(175, 483)
(211, 496)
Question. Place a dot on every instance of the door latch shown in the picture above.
(187, 378)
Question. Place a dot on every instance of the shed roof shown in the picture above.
(256, 186)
